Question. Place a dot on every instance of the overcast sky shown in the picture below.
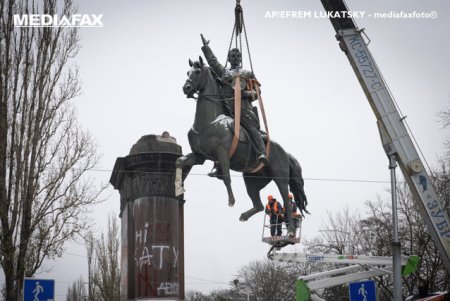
(134, 67)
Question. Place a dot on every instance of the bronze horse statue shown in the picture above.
(211, 136)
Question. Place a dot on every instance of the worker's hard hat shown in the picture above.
(270, 197)
(291, 196)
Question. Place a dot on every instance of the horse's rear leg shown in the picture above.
(254, 185)
(224, 162)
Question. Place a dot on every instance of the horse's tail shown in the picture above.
(296, 184)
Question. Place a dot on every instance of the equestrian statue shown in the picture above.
(224, 98)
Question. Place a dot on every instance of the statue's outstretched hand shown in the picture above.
(205, 42)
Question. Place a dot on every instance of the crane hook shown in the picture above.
(238, 17)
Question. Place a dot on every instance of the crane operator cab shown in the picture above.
(275, 227)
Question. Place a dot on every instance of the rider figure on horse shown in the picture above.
(249, 119)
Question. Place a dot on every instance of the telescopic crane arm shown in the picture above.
(395, 138)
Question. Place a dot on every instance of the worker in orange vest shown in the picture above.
(275, 211)
(296, 216)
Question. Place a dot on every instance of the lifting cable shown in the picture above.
(253, 84)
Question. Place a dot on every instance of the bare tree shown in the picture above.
(372, 235)
(339, 235)
(431, 273)
(269, 280)
(76, 292)
(338, 232)
(105, 275)
(196, 296)
(444, 118)
(375, 231)
(90, 248)
(44, 154)
(236, 293)
(376, 238)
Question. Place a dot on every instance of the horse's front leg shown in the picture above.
(224, 161)
(183, 166)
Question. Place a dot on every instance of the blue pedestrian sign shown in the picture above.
(38, 289)
(363, 291)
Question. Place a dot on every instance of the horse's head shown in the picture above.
(196, 78)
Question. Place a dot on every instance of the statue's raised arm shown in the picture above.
(212, 60)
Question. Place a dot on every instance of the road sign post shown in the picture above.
(363, 291)
(38, 289)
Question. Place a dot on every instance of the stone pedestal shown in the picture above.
(152, 262)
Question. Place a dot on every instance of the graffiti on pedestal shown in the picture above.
(167, 289)
(156, 260)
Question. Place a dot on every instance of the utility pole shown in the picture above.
(396, 253)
